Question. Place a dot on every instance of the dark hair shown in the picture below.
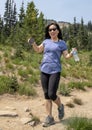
(47, 36)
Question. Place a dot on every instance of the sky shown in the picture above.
(59, 10)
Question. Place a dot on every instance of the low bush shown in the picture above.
(79, 123)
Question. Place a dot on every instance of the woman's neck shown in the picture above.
(55, 39)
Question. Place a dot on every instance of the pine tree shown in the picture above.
(75, 27)
(1, 29)
(71, 37)
(21, 15)
(89, 42)
(9, 16)
(41, 28)
(6, 14)
(82, 36)
(31, 19)
(14, 15)
(75, 31)
(89, 26)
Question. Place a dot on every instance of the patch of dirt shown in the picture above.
(36, 105)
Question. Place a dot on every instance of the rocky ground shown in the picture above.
(16, 111)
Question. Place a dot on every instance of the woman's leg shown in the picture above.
(53, 87)
(57, 101)
(45, 83)
(48, 105)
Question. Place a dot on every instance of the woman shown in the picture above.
(53, 48)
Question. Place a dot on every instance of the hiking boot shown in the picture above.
(48, 121)
(61, 112)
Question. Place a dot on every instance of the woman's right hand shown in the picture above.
(73, 50)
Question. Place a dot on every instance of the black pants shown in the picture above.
(50, 84)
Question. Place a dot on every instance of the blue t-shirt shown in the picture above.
(51, 57)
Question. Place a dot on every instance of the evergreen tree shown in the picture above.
(7, 19)
(89, 47)
(75, 27)
(9, 16)
(17, 37)
(6, 14)
(21, 15)
(31, 19)
(1, 29)
(14, 15)
(71, 37)
(89, 26)
(75, 33)
(65, 33)
(41, 28)
(82, 36)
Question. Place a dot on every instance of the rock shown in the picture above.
(32, 123)
(69, 101)
(8, 113)
(10, 108)
(25, 120)
(27, 109)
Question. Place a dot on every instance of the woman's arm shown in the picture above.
(37, 48)
(67, 55)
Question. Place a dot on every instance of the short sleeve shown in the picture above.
(63, 45)
(44, 42)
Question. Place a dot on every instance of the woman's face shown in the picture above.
(53, 31)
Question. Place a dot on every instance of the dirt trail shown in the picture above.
(36, 106)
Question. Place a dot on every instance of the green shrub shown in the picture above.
(90, 59)
(70, 104)
(23, 73)
(27, 90)
(64, 73)
(64, 90)
(19, 53)
(79, 123)
(77, 101)
(33, 79)
(6, 54)
(77, 85)
(9, 66)
(88, 84)
(8, 84)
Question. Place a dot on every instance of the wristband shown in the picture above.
(31, 41)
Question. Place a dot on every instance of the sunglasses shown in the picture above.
(52, 29)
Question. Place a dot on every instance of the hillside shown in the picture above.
(20, 68)
(62, 24)
(21, 97)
